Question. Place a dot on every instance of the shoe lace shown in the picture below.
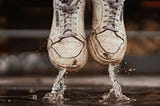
(68, 8)
(114, 11)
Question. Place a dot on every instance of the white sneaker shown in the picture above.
(107, 43)
(67, 40)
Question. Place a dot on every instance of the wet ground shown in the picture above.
(82, 97)
(79, 94)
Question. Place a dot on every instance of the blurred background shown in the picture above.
(26, 73)
(25, 25)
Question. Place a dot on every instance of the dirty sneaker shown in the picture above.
(107, 43)
(67, 40)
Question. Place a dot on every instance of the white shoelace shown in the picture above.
(115, 6)
(68, 7)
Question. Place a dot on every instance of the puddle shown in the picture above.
(88, 96)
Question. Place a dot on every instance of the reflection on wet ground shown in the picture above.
(82, 96)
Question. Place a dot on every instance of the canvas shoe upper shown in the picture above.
(107, 43)
(67, 41)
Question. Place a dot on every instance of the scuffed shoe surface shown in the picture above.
(67, 41)
(108, 42)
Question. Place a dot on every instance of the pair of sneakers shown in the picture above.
(67, 44)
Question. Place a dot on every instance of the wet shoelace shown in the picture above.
(68, 8)
(114, 11)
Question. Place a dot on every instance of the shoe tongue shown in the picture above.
(116, 3)
(64, 1)
(68, 2)
(68, 5)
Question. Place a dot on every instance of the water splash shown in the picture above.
(116, 90)
(41, 48)
(56, 95)
(127, 69)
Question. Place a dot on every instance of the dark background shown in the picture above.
(37, 14)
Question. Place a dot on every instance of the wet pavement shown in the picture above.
(85, 91)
